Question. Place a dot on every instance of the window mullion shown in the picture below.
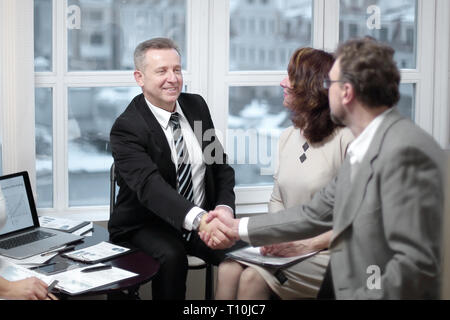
(331, 25)
(425, 64)
(60, 178)
(219, 39)
(319, 23)
(441, 114)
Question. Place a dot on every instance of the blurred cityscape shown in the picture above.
(263, 35)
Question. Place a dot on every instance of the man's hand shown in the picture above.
(223, 211)
(226, 233)
(215, 234)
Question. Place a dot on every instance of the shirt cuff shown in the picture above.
(243, 230)
(190, 217)
(224, 205)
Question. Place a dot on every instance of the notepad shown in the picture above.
(97, 253)
(61, 224)
(75, 281)
(253, 255)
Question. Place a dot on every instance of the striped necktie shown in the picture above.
(184, 172)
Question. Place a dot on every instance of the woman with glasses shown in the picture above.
(310, 154)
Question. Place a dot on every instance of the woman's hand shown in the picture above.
(289, 249)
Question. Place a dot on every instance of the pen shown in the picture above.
(99, 268)
(50, 288)
(42, 265)
(58, 251)
(87, 231)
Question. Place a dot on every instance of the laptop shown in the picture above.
(21, 236)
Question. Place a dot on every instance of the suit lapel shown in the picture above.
(352, 193)
(194, 120)
(156, 137)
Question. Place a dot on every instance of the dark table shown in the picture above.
(136, 261)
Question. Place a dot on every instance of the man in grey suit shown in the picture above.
(385, 206)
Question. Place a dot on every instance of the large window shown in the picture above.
(255, 122)
(44, 146)
(84, 80)
(263, 34)
(92, 112)
(392, 22)
(43, 35)
(262, 37)
(106, 33)
(234, 53)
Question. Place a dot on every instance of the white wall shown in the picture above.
(446, 251)
(446, 246)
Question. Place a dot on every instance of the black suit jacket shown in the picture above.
(147, 175)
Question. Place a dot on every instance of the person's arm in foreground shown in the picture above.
(27, 289)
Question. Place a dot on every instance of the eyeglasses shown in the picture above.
(327, 83)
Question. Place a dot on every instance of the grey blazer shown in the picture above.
(386, 222)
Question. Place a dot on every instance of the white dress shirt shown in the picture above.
(356, 152)
(195, 156)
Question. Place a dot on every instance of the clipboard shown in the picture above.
(253, 255)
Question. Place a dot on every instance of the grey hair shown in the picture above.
(155, 43)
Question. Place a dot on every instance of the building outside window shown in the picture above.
(234, 53)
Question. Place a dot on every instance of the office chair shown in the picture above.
(133, 293)
(194, 263)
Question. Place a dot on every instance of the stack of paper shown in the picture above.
(61, 224)
(99, 252)
(75, 281)
(72, 281)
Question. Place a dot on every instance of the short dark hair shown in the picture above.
(307, 70)
(370, 67)
(155, 43)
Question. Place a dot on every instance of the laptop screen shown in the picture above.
(14, 202)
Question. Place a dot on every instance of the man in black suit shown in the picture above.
(171, 169)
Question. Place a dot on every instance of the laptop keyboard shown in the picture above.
(25, 239)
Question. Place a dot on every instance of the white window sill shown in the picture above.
(102, 213)
(83, 214)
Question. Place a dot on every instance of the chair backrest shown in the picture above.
(112, 190)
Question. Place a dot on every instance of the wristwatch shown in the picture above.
(197, 220)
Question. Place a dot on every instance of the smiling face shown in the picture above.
(161, 79)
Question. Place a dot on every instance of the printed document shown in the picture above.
(61, 224)
(72, 282)
(99, 252)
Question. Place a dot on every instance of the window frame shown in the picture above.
(60, 79)
(325, 36)
(207, 74)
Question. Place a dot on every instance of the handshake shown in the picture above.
(218, 228)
